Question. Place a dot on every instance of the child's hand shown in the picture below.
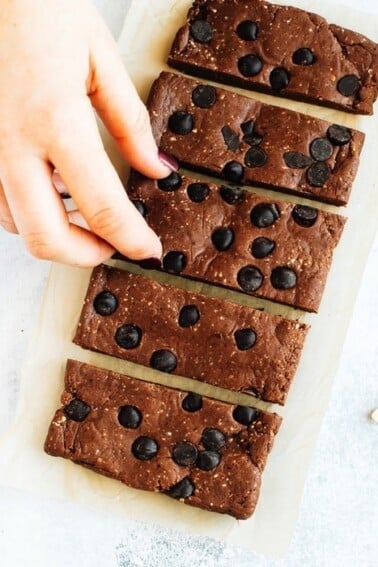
(56, 59)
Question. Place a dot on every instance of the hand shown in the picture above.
(57, 62)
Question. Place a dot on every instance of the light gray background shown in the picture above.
(338, 524)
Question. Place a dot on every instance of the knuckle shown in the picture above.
(107, 221)
(41, 246)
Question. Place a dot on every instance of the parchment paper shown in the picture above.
(144, 43)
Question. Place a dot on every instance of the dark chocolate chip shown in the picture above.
(279, 79)
(248, 128)
(321, 149)
(170, 183)
(250, 65)
(255, 157)
(303, 56)
(348, 85)
(231, 139)
(223, 238)
(264, 214)
(150, 263)
(192, 402)
(233, 171)
(77, 410)
(253, 140)
(247, 30)
(201, 31)
(204, 96)
(174, 262)
(213, 439)
(304, 216)
(184, 453)
(189, 316)
(245, 338)
(197, 192)
(144, 448)
(262, 247)
(230, 195)
(129, 417)
(339, 135)
(182, 489)
(128, 336)
(181, 123)
(296, 160)
(208, 460)
(245, 415)
(105, 303)
(318, 173)
(163, 360)
(140, 207)
(250, 278)
(283, 278)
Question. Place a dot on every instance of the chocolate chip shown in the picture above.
(197, 192)
(247, 30)
(262, 247)
(163, 360)
(129, 417)
(192, 403)
(245, 338)
(318, 173)
(279, 79)
(189, 316)
(250, 65)
(105, 303)
(348, 85)
(283, 278)
(128, 336)
(204, 96)
(174, 262)
(253, 140)
(144, 448)
(339, 135)
(233, 171)
(182, 489)
(296, 160)
(213, 439)
(140, 207)
(77, 410)
(321, 149)
(208, 460)
(245, 415)
(304, 216)
(201, 31)
(181, 123)
(255, 157)
(250, 279)
(264, 214)
(223, 238)
(170, 183)
(231, 139)
(184, 453)
(303, 56)
(250, 136)
(248, 128)
(230, 195)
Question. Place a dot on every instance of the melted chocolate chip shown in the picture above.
(128, 336)
(174, 262)
(182, 489)
(170, 183)
(223, 238)
(129, 417)
(262, 247)
(348, 85)
(189, 316)
(245, 338)
(279, 79)
(339, 135)
(163, 360)
(201, 31)
(140, 207)
(213, 439)
(144, 448)
(184, 453)
(77, 410)
(304, 216)
(247, 30)
(283, 278)
(255, 157)
(181, 123)
(231, 139)
(303, 56)
(250, 279)
(105, 303)
(204, 96)
(230, 195)
(233, 171)
(197, 192)
(250, 65)
(245, 415)
(296, 160)
(318, 173)
(208, 460)
(321, 149)
(192, 403)
(264, 214)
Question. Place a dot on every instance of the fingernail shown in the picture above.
(150, 263)
(59, 185)
(168, 161)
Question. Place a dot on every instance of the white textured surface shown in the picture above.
(339, 519)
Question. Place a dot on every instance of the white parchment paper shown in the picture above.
(144, 43)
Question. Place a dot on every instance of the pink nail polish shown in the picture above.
(150, 263)
(169, 161)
